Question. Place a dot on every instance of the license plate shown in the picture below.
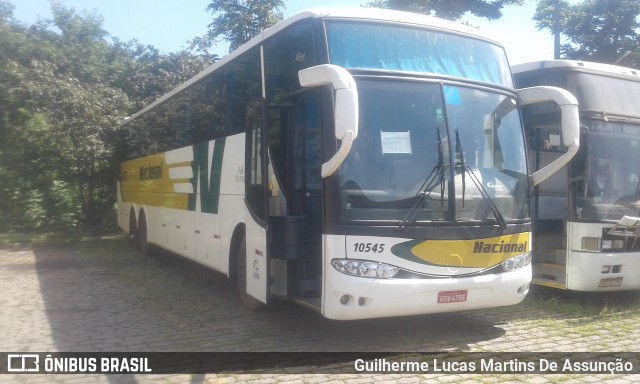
(445, 297)
(610, 282)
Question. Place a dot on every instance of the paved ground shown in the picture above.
(56, 299)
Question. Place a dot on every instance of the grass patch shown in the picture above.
(584, 314)
(116, 250)
(583, 304)
(12, 239)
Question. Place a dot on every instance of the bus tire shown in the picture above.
(247, 300)
(133, 225)
(143, 240)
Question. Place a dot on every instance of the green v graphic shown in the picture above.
(206, 177)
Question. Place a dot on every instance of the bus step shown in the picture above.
(308, 287)
(309, 302)
(556, 273)
(548, 283)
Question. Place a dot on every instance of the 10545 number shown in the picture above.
(368, 247)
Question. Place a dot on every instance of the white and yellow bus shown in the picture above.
(587, 216)
(364, 163)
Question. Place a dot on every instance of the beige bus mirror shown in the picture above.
(570, 124)
(346, 107)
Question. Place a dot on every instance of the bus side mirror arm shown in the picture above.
(346, 107)
(570, 124)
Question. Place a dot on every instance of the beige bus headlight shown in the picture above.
(591, 244)
(365, 268)
(517, 262)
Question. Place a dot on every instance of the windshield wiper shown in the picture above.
(462, 163)
(435, 178)
(483, 192)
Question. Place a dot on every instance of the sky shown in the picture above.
(169, 24)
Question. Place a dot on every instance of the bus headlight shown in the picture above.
(597, 244)
(517, 262)
(612, 244)
(365, 268)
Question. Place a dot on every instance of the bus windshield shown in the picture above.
(428, 152)
(613, 95)
(361, 45)
(610, 174)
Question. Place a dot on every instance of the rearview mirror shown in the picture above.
(346, 109)
(570, 124)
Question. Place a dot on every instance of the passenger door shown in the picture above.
(256, 209)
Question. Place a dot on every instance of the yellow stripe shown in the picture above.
(157, 189)
(481, 253)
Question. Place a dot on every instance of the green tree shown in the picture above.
(24, 135)
(447, 9)
(594, 30)
(237, 21)
(65, 85)
(59, 113)
(146, 74)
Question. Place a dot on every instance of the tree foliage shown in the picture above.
(237, 21)
(594, 30)
(57, 119)
(64, 87)
(447, 9)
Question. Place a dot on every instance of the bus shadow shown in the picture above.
(121, 301)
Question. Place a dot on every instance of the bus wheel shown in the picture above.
(143, 243)
(247, 300)
(133, 227)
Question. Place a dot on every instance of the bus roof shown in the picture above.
(614, 70)
(372, 14)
